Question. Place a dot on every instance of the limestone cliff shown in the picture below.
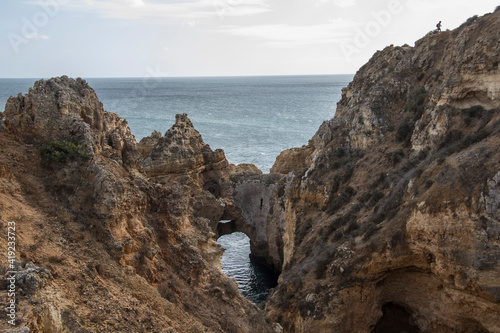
(391, 212)
(387, 221)
(113, 236)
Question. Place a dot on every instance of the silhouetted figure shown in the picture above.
(438, 26)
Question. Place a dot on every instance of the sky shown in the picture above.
(162, 38)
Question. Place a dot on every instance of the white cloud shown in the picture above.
(136, 3)
(339, 3)
(345, 3)
(284, 35)
(196, 9)
(189, 23)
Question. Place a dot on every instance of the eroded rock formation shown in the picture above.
(388, 220)
(116, 236)
(391, 219)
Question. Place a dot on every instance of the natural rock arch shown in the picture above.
(249, 213)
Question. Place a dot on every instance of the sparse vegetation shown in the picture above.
(351, 227)
(452, 137)
(370, 199)
(404, 132)
(472, 19)
(475, 111)
(415, 103)
(415, 106)
(61, 151)
(422, 155)
(381, 180)
(370, 229)
(469, 21)
(3, 270)
(397, 238)
(302, 230)
(340, 152)
(396, 156)
(454, 141)
(340, 200)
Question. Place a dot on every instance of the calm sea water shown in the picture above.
(254, 281)
(252, 118)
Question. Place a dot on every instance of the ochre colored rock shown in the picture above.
(116, 249)
(388, 220)
(391, 212)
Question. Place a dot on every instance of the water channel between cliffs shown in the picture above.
(254, 280)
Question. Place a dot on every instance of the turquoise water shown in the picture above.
(252, 118)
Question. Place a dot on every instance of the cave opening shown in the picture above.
(226, 227)
(395, 319)
(254, 279)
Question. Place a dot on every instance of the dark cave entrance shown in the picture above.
(253, 278)
(395, 319)
(226, 227)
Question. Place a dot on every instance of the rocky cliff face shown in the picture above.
(391, 211)
(387, 221)
(114, 236)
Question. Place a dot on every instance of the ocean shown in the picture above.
(252, 118)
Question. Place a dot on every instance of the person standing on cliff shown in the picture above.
(438, 26)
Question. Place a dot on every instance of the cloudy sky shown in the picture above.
(141, 38)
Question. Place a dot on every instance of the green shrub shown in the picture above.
(339, 201)
(377, 196)
(381, 179)
(351, 227)
(302, 230)
(404, 132)
(340, 152)
(61, 151)
(396, 156)
(469, 21)
(477, 137)
(451, 138)
(166, 291)
(475, 111)
(378, 218)
(415, 103)
(370, 230)
(472, 19)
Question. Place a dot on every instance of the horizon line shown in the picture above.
(173, 76)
